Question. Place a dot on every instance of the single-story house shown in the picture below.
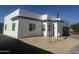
(22, 23)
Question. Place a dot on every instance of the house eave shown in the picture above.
(15, 18)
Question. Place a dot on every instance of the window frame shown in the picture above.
(49, 27)
(13, 26)
(5, 26)
(43, 28)
(31, 27)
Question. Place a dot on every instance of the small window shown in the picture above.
(31, 27)
(5, 26)
(13, 27)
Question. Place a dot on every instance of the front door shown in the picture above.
(52, 29)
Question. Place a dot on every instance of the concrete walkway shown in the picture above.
(54, 45)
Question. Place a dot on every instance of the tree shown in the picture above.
(75, 28)
(1, 28)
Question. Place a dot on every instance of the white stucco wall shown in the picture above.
(51, 17)
(22, 25)
(47, 17)
(8, 21)
(45, 34)
(60, 24)
(9, 31)
(55, 29)
(24, 28)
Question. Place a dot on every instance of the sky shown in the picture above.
(66, 12)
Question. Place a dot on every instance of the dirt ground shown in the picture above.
(56, 45)
(10, 45)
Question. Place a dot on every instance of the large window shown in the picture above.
(5, 26)
(13, 27)
(31, 27)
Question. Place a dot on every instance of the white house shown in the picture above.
(22, 23)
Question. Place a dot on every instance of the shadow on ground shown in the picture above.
(15, 46)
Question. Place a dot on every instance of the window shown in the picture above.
(31, 27)
(5, 26)
(13, 27)
(49, 27)
(43, 27)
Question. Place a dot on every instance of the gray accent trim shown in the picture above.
(14, 18)
(53, 21)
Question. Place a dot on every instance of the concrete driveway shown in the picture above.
(15, 46)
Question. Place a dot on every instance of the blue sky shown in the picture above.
(67, 12)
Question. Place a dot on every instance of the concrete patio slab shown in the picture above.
(54, 45)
